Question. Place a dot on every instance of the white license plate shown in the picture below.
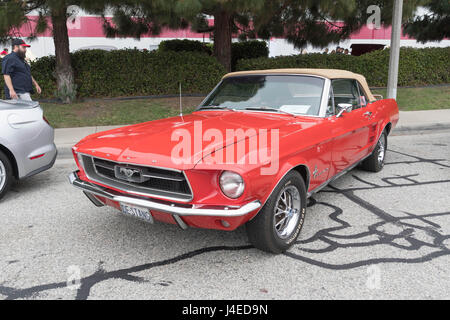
(136, 212)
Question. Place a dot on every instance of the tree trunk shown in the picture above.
(66, 89)
(222, 38)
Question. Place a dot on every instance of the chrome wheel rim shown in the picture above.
(287, 212)
(2, 175)
(381, 148)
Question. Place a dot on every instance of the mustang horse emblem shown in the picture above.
(128, 173)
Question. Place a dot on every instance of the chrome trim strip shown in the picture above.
(180, 222)
(273, 74)
(172, 209)
(156, 176)
(324, 100)
(208, 96)
(93, 199)
(105, 166)
(128, 163)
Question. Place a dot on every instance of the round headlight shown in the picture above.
(231, 184)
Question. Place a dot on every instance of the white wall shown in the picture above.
(44, 46)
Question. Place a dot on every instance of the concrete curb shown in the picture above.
(435, 127)
(70, 136)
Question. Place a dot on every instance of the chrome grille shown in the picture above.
(148, 181)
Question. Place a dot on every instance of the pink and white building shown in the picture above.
(85, 31)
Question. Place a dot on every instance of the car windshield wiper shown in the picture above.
(217, 107)
(271, 109)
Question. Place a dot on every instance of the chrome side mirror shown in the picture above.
(343, 107)
(378, 96)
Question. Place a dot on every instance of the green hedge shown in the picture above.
(179, 45)
(132, 73)
(417, 66)
(248, 50)
(239, 50)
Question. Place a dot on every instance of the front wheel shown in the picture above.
(276, 227)
(6, 174)
(375, 162)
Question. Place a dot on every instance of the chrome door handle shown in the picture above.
(367, 114)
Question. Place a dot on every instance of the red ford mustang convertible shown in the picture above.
(256, 148)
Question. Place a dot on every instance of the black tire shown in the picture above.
(5, 165)
(375, 162)
(261, 229)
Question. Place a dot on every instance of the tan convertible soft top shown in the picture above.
(325, 73)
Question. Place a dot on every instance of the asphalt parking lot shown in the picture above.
(367, 236)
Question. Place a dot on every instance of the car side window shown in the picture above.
(362, 100)
(346, 91)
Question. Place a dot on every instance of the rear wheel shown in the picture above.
(276, 227)
(6, 174)
(375, 162)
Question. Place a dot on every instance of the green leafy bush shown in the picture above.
(179, 45)
(239, 50)
(132, 73)
(248, 50)
(417, 66)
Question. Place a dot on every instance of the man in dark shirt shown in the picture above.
(17, 73)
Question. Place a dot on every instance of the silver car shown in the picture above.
(26, 142)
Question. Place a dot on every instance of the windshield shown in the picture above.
(279, 93)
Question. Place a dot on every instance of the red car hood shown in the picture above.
(150, 143)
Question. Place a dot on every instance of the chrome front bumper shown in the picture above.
(173, 209)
